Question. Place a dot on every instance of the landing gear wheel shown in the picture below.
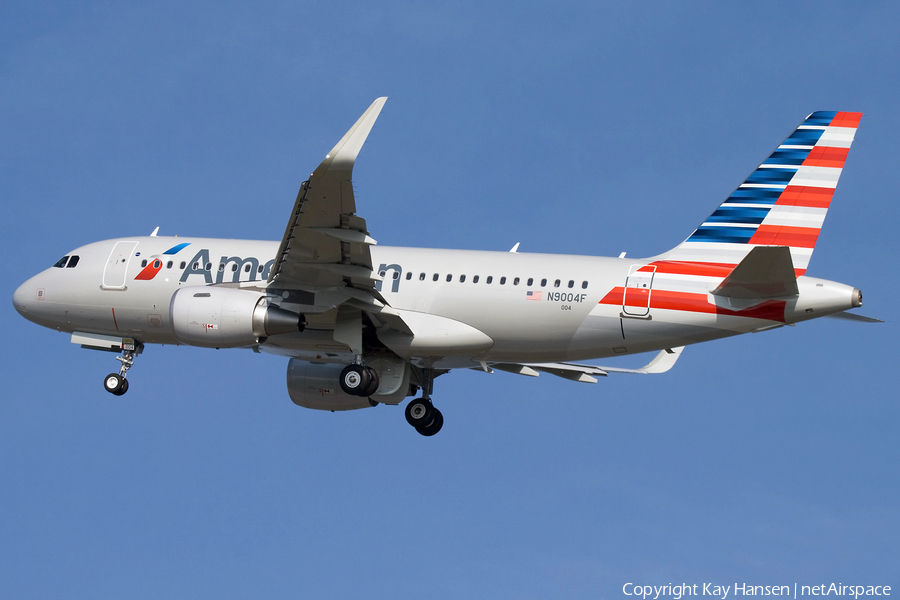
(373, 382)
(115, 384)
(420, 412)
(355, 380)
(434, 427)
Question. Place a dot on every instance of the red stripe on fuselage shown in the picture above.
(770, 310)
(703, 269)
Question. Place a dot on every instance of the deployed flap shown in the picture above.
(766, 272)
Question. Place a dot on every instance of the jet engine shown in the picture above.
(315, 385)
(215, 317)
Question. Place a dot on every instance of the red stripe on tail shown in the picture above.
(826, 156)
(781, 235)
(798, 195)
(846, 119)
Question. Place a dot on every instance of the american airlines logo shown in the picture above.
(240, 268)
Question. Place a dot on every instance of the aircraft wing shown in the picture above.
(325, 241)
(324, 259)
(661, 363)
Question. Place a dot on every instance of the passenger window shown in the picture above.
(449, 277)
(556, 283)
(462, 278)
(584, 285)
(208, 266)
(571, 283)
(184, 264)
(503, 281)
(169, 264)
(543, 283)
(259, 269)
(530, 281)
(381, 273)
(475, 279)
(144, 263)
(516, 281)
(396, 274)
(221, 267)
(489, 279)
(435, 278)
(421, 276)
(409, 276)
(247, 268)
(195, 266)
(157, 264)
(73, 262)
(61, 262)
(234, 267)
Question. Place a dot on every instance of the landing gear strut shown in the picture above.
(421, 413)
(115, 383)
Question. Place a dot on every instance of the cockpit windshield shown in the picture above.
(71, 260)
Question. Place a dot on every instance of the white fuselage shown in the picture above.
(534, 307)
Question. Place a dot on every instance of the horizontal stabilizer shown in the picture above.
(766, 272)
(849, 316)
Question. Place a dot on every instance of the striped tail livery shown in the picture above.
(783, 202)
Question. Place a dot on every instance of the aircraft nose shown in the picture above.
(24, 297)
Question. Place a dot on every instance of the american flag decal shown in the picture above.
(532, 295)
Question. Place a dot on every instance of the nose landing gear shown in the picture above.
(115, 383)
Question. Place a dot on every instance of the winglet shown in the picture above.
(343, 155)
(661, 363)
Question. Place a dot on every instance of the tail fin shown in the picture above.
(783, 202)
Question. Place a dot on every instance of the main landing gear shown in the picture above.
(115, 383)
(421, 413)
(359, 380)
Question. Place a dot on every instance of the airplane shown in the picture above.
(364, 324)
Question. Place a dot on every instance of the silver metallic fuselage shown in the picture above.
(573, 319)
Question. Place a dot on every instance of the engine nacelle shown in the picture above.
(315, 385)
(218, 317)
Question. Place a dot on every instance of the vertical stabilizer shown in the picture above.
(783, 202)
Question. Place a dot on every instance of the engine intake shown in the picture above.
(214, 317)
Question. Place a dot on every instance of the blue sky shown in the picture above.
(578, 128)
